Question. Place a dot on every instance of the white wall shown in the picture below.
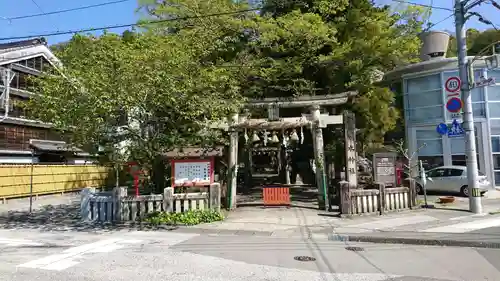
(17, 159)
(81, 161)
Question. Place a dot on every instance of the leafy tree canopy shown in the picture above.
(174, 75)
(156, 82)
(309, 47)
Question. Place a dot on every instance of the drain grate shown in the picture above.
(354, 249)
(304, 258)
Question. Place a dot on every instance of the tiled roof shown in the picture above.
(11, 46)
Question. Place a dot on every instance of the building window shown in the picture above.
(422, 84)
(423, 114)
(494, 108)
(423, 98)
(430, 162)
(430, 148)
(458, 150)
(460, 160)
(495, 149)
(479, 110)
(20, 81)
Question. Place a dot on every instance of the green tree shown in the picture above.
(309, 47)
(385, 39)
(155, 82)
(474, 43)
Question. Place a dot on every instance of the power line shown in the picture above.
(495, 4)
(436, 23)
(423, 5)
(66, 10)
(482, 19)
(55, 33)
(41, 10)
(38, 6)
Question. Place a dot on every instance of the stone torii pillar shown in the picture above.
(319, 158)
(232, 171)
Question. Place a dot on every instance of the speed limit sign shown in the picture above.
(452, 84)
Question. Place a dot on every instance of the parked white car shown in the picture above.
(451, 179)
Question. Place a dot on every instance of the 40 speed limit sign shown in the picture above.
(452, 84)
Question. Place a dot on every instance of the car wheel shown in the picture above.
(419, 189)
(464, 191)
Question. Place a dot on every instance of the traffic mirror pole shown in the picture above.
(475, 205)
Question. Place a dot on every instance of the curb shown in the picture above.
(414, 241)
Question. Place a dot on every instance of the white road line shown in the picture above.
(18, 242)
(68, 258)
(469, 216)
(385, 224)
(466, 226)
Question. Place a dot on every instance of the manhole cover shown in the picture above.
(354, 249)
(304, 258)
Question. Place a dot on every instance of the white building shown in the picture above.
(425, 98)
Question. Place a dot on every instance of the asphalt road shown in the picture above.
(133, 255)
(494, 232)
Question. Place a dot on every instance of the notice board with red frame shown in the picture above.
(192, 172)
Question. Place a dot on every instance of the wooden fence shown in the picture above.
(17, 180)
(375, 201)
(116, 206)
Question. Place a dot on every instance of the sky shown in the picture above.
(124, 13)
(120, 13)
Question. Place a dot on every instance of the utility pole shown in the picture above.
(475, 205)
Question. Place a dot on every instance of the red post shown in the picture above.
(399, 176)
(136, 184)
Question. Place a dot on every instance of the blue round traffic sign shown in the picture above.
(442, 129)
(454, 105)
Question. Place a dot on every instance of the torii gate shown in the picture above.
(315, 119)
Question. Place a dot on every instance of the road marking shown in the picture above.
(469, 216)
(18, 242)
(466, 226)
(385, 224)
(69, 257)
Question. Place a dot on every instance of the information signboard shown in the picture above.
(192, 172)
(384, 168)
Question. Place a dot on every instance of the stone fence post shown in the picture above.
(345, 198)
(85, 196)
(381, 197)
(215, 196)
(168, 199)
(118, 194)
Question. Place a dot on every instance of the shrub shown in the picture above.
(191, 217)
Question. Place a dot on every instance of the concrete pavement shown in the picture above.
(138, 255)
(445, 225)
(39, 202)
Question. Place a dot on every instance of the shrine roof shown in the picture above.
(302, 101)
(195, 152)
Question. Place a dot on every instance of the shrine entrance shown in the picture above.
(287, 152)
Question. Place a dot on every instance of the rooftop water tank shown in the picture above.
(434, 45)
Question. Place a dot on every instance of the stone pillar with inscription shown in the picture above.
(232, 176)
(319, 159)
(351, 169)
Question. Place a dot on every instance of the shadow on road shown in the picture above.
(64, 217)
